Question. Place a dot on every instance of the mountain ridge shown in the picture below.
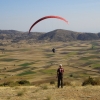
(54, 36)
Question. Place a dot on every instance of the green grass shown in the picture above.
(26, 73)
(26, 64)
(53, 61)
(8, 59)
(18, 69)
(85, 58)
(87, 63)
(3, 55)
(49, 71)
(78, 74)
(89, 57)
(16, 50)
(49, 55)
(96, 65)
(23, 49)
(71, 54)
(94, 43)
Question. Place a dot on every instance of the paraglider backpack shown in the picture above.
(60, 71)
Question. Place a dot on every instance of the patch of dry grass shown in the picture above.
(52, 93)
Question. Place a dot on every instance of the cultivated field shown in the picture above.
(36, 63)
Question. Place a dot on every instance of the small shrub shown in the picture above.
(91, 81)
(23, 82)
(20, 93)
(48, 98)
(8, 97)
(8, 83)
(52, 82)
(16, 87)
(17, 83)
(44, 87)
(5, 77)
(66, 83)
(71, 75)
(1, 85)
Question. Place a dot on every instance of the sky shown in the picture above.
(82, 15)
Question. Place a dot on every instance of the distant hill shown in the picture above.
(55, 35)
(59, 35)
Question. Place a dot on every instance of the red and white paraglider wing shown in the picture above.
(58, 17)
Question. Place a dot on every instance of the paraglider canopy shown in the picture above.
(58, 17)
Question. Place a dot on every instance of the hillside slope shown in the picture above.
(50, 93)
